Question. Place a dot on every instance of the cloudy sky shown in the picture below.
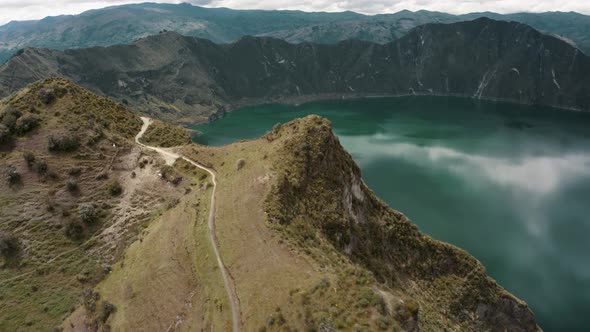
(36, 9)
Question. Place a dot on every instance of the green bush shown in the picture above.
(40, 166)
(26, 123)
(114, 188)
(72, 185)
(89, 298)
(169, 174)
(9, 117)
(106, 309)
(9, 244)
(87, 212)
(47, 96)
(74, 230)
(12, 175)
(75, 171)
(62, 143)
(29, 158)
(4, 134)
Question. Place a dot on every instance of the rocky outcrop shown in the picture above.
(188, 80)
(318, 189)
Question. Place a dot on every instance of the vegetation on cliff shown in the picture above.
(319, 195)
(165, 135)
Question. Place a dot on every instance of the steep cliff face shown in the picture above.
(319, 194)
(187, 79)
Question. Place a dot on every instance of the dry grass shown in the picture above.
(165, 135)
(45, 282)
(297, 216)
(269, 269)
(169, 277)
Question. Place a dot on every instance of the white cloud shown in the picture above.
(36, 9)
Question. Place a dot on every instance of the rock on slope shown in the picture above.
(188, 80)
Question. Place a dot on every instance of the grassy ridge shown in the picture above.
(320, 202)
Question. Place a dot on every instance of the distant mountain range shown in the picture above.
(187, 80)
(127, 23)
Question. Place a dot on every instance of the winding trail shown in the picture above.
(169, 156)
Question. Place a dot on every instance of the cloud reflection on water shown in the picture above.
(531, 173)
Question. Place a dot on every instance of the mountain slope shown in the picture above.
(307, 246)
(188, 80)
(74, 193)
(124, 24)
(372, 262)
(97, 233)
(385, 28)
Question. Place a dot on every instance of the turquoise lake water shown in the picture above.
(508, 183)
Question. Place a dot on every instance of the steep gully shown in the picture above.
(170, 156)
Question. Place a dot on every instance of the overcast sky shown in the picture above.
(36, 9)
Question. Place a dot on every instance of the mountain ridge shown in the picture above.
(126, 23)
(126, 244)
(188, 80)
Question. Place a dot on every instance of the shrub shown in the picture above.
(47, 96)
(114, 188)
(96, 136)
(12, 175)
(74, 230)
(102, 176)
(169, 174)
(106, 309)
(26, 123)
(75, 171)
(29, 158)
(62, 143)
(87, 212)
(72, 185)
(240, 164)
(9, 118)
(9, 244)
(173, 202)
(52, 175)
(4, 134)
(40, 166)
(89, 298)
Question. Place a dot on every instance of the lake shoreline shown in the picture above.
(310, 98)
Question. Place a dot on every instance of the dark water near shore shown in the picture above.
(508, 183)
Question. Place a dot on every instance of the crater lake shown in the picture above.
(508, 183)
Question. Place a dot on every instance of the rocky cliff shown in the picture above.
(189, 80)
(319, 194)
